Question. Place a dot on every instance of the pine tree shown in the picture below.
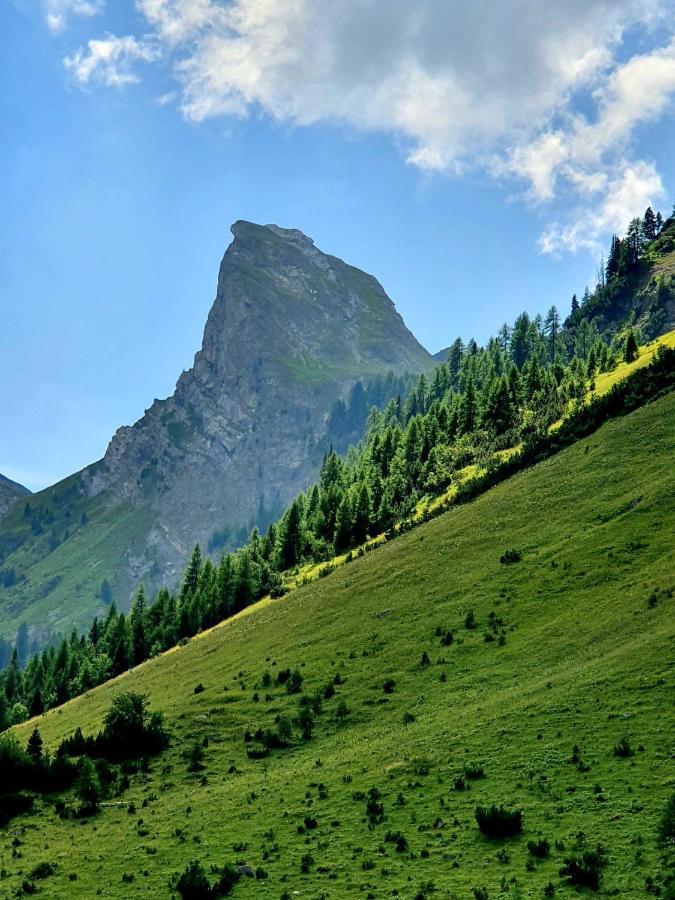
(631, 350)
(612, 267)
(291, 540)
(343, 524)
(88, 786)
(552, 327)
(34, 745)
(192, 573)
(138, 627)
(468, 408)
(649, 224)
(363, 514)
(575, 303)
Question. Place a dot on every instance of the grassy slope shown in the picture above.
(61, 589)
(586, 662)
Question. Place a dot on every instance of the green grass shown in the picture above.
(60, 586)
(586, 662)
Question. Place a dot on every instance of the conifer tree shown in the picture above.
(631, 349)
(649, 224)
(34, 745)
(137, 623)
(575, 303)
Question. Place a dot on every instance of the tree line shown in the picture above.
(480, 401)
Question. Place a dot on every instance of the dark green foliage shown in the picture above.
(510, 556)
(666, 830)
(498, 821)
(88, 787)
(374, 806)
(480, 401)
(193, 884)
(585, 869)
(623, 749)
(631, 349)
(473, 771)
(540, 848)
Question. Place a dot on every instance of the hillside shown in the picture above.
(540, 708)
(10, 492)
(290, 332)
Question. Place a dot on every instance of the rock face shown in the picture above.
(10, 492)
(290, 331)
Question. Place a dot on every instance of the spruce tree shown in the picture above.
(137, 623)
(631, 349)
(649, 224)
(343, 524)
(34, 745)
(575, 303)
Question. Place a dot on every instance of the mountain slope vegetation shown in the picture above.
(10, 492)
(512, 652)
(290, 332)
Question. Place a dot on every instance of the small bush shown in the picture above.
(667, 824)
(499, 822)
(199, 688)
(43, 870)
(510, 556)
(540, 848)
(470, 620)
(473, 771)
(193, 884)
(623, 749)
(585, 871)
(388, 686)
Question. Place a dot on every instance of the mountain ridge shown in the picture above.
(10, 492)
(291, 329)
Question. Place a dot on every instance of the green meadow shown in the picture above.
(555, 660)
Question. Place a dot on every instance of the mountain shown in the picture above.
(290, 332)
(10, 492)
(551, 698)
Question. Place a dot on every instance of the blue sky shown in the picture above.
(470, 193)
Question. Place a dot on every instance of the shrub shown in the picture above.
(388, 686)
(585, 870)
(540, 848)
(425, 661)
(667, 823)
(447, 639)
(499, 822)
(199, 688)
(88, 787)
(470, 620)
(306, 862)
(473, 771)
(623, 749)
(43, 870)
(510, 556)
(192, 883)
(374, 806)
(294, 682)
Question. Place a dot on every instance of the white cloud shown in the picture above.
(626, 194)
(461, 84)
(57, 11)
(109, 60)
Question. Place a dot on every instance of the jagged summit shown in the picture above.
(290, 331)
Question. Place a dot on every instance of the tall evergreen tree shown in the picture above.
(137, 622)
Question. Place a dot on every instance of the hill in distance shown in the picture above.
(290, 331)
(10, 492)
(525, 707)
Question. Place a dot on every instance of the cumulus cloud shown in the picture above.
(57, 11)
(110, 60)
(460, 84)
